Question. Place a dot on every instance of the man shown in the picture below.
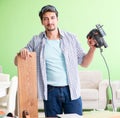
(58, 56)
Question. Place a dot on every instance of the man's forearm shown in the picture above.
(88, 58)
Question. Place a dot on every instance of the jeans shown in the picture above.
(59, 101)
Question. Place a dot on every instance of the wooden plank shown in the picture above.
(27, 86)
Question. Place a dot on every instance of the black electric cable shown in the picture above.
(101, 50)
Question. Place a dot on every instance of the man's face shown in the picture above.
(49, 21)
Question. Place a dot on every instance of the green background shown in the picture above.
(19, 21)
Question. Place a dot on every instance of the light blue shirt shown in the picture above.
(73, 54)
(55, 64)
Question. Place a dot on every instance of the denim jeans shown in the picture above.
(59, 102)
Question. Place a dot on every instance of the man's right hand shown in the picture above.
(24, 53)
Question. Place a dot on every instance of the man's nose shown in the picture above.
(49, 21)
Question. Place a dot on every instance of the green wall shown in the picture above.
(19, 21)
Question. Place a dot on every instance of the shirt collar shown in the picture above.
(60, 31)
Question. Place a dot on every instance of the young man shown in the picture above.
(58, 56)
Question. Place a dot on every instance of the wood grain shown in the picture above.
(27, 86)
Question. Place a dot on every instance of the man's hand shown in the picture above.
(89, 56)
(24, 53)
(91, 42)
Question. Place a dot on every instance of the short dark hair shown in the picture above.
(47, 8)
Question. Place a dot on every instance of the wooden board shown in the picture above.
(27, 86)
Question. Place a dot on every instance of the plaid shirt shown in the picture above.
(73, 54)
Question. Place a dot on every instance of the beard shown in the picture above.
(50, 27)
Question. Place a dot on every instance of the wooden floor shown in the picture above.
(27, 85)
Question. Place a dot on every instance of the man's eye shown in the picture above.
(45, 19)
(53, 17)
